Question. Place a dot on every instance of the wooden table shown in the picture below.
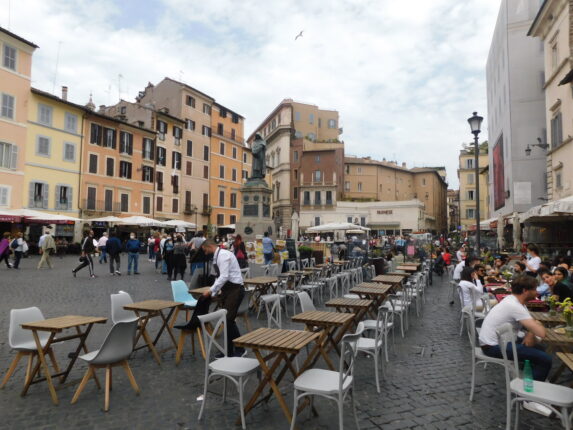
(284, 345)
(358, 307)
(410, 269)
(566, 360)
(557, 343)
(548, 320)
(389, 279)
(54, 326)
(374, 291)
(401, 275)
(333, 326)
(150, 309)
(261, 285)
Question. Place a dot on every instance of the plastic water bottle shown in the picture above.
(527, 377)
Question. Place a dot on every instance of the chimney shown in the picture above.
(404, 165)
(101, 109)
(64, 93)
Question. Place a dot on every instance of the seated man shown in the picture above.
(556, 288)
(512, 310)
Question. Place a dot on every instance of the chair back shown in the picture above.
(506, 337)
(389, 305)
(304, 263)
(246, 273)
(461, 297)
(312, 261)
(305, 302)
(273, 269)
(181, 293)
(381, 325)
(118, 343)
(217, 320)
(16, 334)
(348, 354)
(118, 301)
(468, 314)
(291, 265)
(273, 308)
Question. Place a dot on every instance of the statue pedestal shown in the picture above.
(256, 213)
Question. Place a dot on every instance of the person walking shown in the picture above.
(157, 249)
(132, 246)
(5, 249)
(168, 246)
(47, 248)
(179, 261)
(151, 248)
(101, 244)
(268, 248)
(113, 247)
(240, 251)
(194, 259)
(88, 249)
(19, 250)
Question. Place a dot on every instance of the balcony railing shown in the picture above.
(100, 206)
(228, 135)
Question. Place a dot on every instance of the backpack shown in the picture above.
(14, 244)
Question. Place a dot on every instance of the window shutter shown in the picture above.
(130, 145)
(93, 133)
(70, 197)
(31, 195)
(57, 205)
(129, 170)
(143, 170)
(45, 194)
(14, 157)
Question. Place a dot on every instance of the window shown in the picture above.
(424, 181)
(235, 118)
(297, 116)
(317, 158)
(223, 112)
(4, 196)
(470, 213)
(222, 172)
(234, 175)
(470, 179)
(471, 195)
(63, 197)
(295, 193)
(159, 205)
(161, 156)
(206, 153)
(190, 101)
(124, 202)
(190, 124)
(110, 167)
(95, 134)
(233, 200)
(359, 186)
(363, 221)
(317, 198)
(125, 169)
(177, 135)
(146, 205)
(220, 129)
(206, 172)
(296, 174)
(161, 129)
(221, 198)
(349, 220)
(176, 160)
(220, 219)
(233, 219)
(311, 136)
(329, 197)
(7, 108)
(175, 183)
(295, 156)
(205, 201)
(317, 176)
(245, 157)
(221, 148)
(307, 197)
(108, 200)
(43, 146)
(206, 109)
(234, 152)
(8, 156)
(125, 143)
(297, 134)
(175, 206)
(45, 114)
(233, 134)
(93, 164)
(556, 131)
(331, 123)
(91, 200)
(159, 181)
(558, 183)
(245, 174)
(319, 122)
(206, 131)
(470, 163)
(38, 195)
(188, 168)
(554, 56)
(9, 57)
(316, 220)
(187, 201)
(311, 118)
(147, 149)
(346, 186)
(190, 148)
(71, 122)
(147, 174)
(109, 137)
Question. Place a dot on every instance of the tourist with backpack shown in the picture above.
(19, 246)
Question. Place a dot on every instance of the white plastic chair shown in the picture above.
(305, 301)
(555, 397)
(22, 341)
(114, 351)
(372, 324)
(118, 314)
(235, 369)
(291, 265)
(400, 309)
(273, 307)
(331, 384)
(373, 346)
(304, 263)
(246, 273)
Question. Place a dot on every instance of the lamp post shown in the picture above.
(475, 126)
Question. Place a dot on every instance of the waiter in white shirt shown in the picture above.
(229, 283)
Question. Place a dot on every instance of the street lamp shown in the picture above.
(540, 144)
(475, 125)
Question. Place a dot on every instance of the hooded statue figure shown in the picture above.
(259, 149)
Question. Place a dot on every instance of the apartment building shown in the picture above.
(453, 210)
(15, 77)
(467, 192)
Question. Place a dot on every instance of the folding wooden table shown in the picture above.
(284, 345)
(548, 320)
(358, 307)
(333, 326)
(374, 291)
(57, 325)
(394, 280)
(406, 268)
(150, 309)
(261, 286)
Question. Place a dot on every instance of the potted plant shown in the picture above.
(553, 303)
(566, 307)
(305, 251)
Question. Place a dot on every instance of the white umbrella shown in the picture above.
(229, 226)
(141, 221)
(516, 232)
(180, 223)
(54, 217)
(500, 241)
(104, 219)
(335, 227)
(26, 213)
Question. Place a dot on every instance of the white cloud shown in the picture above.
(404, 76)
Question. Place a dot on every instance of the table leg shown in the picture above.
(42, 359)
(36, 369)
(82, 345)
(166, 325)
(316, 351)
(145, 335)
(272, 382)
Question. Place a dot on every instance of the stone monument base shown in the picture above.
(256, 215)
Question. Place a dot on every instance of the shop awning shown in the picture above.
(557, 208)
(180, 223)
(141, 221)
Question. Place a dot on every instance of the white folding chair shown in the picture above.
(373, 346)
(272, 304)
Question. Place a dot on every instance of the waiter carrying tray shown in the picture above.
(229, 283)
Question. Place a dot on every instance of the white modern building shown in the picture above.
(516, 111)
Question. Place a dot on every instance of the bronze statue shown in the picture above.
(259, 163)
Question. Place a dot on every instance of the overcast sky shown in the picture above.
(404, 75)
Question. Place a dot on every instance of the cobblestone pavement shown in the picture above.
(424, 388)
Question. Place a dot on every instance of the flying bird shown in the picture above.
(299, 35)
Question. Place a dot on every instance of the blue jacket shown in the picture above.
(113, 246)
(132, 245)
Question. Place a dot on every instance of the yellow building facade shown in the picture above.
(467, 177)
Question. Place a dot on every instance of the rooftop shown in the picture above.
(15, 36)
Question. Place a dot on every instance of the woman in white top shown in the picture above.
(472, 290)
(533, 260)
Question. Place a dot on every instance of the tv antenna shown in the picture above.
(57, 63)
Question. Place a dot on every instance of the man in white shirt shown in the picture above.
(229, 282)
(512, 310)
(101, 244)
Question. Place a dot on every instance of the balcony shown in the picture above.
(190, 209)
(207, 210)
(227, 135)
(100, 206)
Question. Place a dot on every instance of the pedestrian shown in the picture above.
(101, 244)
(151, 248)
(88, 249)
(19, 250)
(157, 249)
(196, 243)
(133, 245)
(5, 249)
(113, 247)
(162, 248)
(179, 260)
(47, 248)
(268, 248)
(240, 252)
(168, 246)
